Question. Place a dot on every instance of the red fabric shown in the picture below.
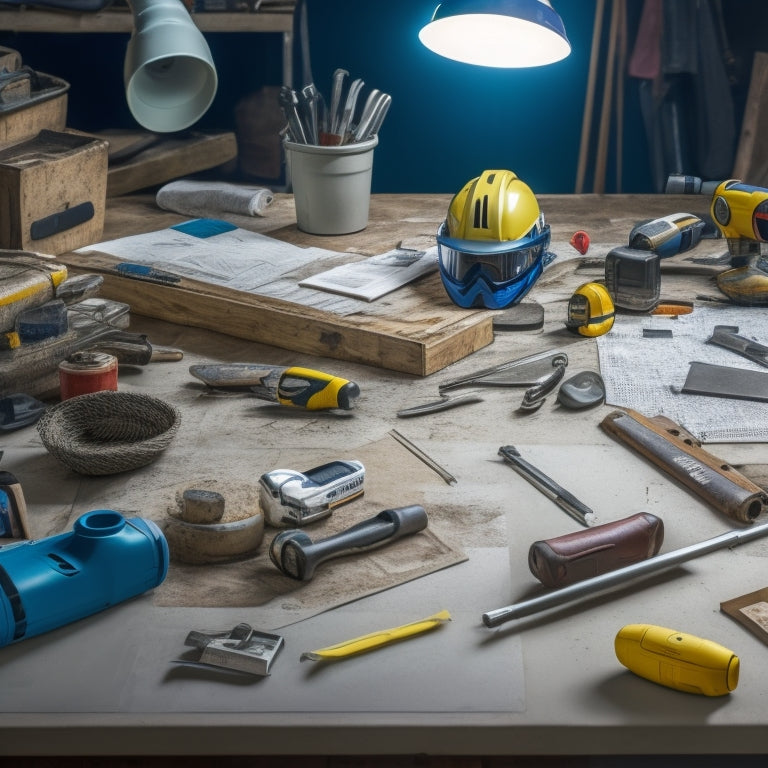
(645, 61)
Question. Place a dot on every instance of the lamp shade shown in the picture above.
(170, 78)
(497, 33)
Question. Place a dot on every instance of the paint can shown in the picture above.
(85, 372)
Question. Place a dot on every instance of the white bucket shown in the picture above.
(331, 185)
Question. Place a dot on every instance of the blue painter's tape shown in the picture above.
(204, 227)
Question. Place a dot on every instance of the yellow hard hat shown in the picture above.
(495, 206)
(493, 244)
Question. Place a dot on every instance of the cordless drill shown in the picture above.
(740, 212)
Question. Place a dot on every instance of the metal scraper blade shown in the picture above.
(724, 381)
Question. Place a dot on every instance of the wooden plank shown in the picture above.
(751, 164)
(417, 330)
(423, 343)
(170, 157)
(274, 18)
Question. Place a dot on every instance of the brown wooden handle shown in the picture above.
(712, 479)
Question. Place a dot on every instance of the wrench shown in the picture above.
(336, 88)
(377, 118)
(349, 108)
(297, 556)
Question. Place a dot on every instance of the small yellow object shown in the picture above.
(376, 639)
(315, 390)
(590, 311)
(10, 340)
(677, 660)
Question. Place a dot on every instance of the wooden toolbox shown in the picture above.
(53, 190)
(52, 182)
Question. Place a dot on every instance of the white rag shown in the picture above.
(207, 198)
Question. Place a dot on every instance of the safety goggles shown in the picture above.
(495, 275)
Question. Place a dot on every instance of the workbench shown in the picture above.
(546, 685)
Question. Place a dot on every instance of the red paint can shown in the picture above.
(85, 372)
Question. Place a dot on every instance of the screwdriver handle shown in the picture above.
(315, 390)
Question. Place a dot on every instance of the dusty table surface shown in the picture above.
(549, 684)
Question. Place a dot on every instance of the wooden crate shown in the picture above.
(47, 109)
(52, 192)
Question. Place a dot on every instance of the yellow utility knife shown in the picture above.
(292, 386)
(376, 639)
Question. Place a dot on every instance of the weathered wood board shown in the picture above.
(163, 158)
(415, 330)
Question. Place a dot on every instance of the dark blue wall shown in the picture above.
(449, 121)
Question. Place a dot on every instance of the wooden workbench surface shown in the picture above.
(546, 685)
(417, 330)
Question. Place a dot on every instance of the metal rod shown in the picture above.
(613, 578)
(419, 454)
(564, 499)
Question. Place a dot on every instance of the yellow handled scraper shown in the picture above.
(377, 639)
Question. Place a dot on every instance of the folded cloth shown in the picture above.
(206, 198)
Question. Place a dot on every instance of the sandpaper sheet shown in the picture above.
(751, 610)
(394, 478)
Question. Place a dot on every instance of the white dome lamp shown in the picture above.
(497, 33)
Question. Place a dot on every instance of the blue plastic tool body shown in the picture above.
(106, 559)
(5, 514)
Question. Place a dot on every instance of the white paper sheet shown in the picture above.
(220, 253)
(376, 276)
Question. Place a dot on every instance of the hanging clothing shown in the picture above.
(685, 93)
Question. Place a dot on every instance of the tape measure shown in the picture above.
(590, 310)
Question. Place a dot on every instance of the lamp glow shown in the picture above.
(497, 33)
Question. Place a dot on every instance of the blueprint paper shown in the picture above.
(217, 252)
(647, 374)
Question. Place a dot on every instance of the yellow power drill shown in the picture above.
(740, 212)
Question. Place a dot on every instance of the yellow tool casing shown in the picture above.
(590, 310)
(741, 211)
(677, 660)
(315, 390)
